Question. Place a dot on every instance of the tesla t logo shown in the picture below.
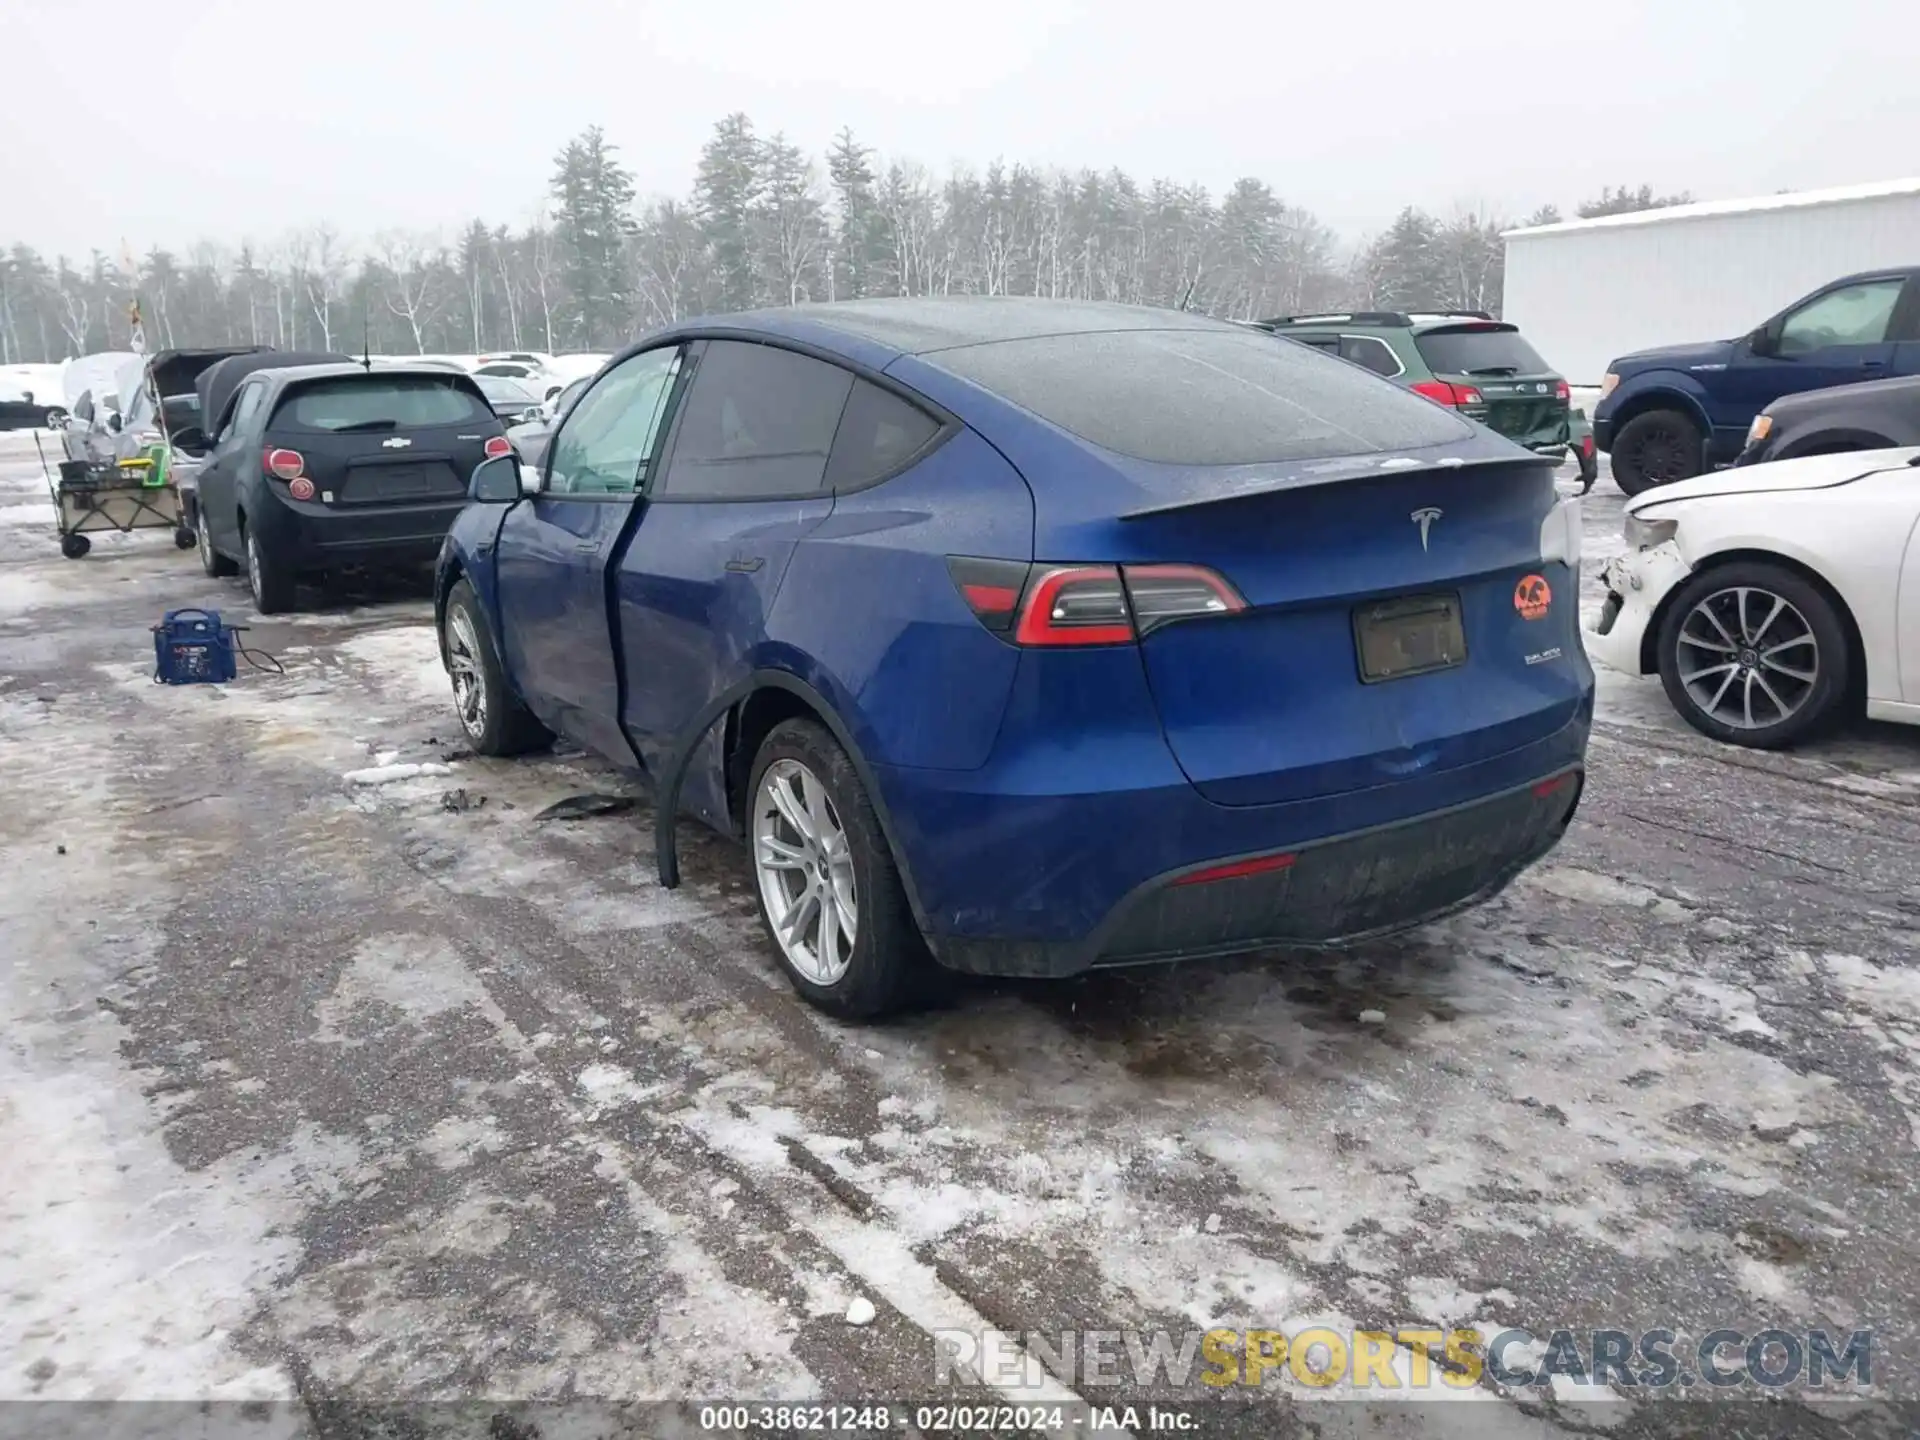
(398, 442)
(1424, 518)
(1531, 597)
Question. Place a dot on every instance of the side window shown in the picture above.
(83, 407)
(758, 423)
(1372, 352)
(879, 432)
(1329, 343)
(605, 441)
(137, 416)
(1851, 315)
(243, 408)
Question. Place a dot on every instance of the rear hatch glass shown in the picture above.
(1521, 391)
(380, 402)
(1203, 397)
(386, 439)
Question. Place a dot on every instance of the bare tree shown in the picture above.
(403, 256)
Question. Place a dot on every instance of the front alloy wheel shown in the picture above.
(805, 869)
(463, 665)
(1755, 655)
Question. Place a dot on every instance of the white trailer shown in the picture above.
(1586, 291)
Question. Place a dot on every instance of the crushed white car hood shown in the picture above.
(1815, 472)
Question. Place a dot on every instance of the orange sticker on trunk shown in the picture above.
(1531, 597)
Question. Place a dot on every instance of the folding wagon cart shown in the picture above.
(137, 494)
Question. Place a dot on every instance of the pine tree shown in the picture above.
(1405, 267)
(593, 218)
(1625, 202)
(855, 260)
(727, 190)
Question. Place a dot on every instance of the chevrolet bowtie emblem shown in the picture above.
(400, 442)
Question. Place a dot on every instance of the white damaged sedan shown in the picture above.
(1774, 600)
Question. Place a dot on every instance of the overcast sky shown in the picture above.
(167, 121)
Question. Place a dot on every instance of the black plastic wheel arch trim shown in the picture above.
(667, 784)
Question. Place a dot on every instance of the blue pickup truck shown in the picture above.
(1671, 413)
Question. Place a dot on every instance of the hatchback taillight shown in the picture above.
(284, 464)
(1452, 396)
(1053, 605)
(497, 446)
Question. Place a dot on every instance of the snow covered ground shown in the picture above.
(323, 1065)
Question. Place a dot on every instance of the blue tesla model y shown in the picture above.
(1029, 636)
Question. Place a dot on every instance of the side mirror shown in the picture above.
(1765, 341)
(113, 422)
(497, 481)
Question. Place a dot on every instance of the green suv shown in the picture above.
(1465, 360)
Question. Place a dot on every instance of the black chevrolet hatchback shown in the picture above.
(322, 468)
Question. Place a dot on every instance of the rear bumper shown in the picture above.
(1052, 884)
(1330, 892)
(315, 536)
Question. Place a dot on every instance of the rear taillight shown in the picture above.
(1049, 605)
(496, 446)
(1454, 396)
(284, 464)
(300, 488)
(1586, 446)
(1561, 392)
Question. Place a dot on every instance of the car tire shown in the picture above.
(211, 560)
(491, 715)
(1768, 645)
(801, 773)
(272, 583)
(1656, 447)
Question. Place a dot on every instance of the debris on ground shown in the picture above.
(460, 800)
(587, 807)
(861, 1311)
(1373, 1017)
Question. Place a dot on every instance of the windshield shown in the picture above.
(355, 402)
(1480, 350)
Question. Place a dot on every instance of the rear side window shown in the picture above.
(1204, 397)
(1373, 353)
(758, 423)
(380, 402)
(879, 432)
(1479, 350)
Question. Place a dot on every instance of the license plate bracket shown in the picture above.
(1411, 635)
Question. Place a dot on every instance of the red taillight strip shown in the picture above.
(1038, 626)
(1557, 782)
(1235, 869)
(283, 464)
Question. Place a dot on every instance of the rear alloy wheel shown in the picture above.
(491, 715)
(1753, 654)
(1656, 447)
(271, 582)
(211, 560)
(829, 890)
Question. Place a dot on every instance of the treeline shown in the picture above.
(765, 224)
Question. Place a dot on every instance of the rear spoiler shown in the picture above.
(1212, 487)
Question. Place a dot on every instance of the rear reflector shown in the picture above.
(1557, 783)
(497, 446)
(300, 488)
(284, 464)
(1237, 869)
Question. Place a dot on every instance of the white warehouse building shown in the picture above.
(1586, 291)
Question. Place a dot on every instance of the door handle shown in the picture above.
(745, 564)
(1873, 367)
(588, 547)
